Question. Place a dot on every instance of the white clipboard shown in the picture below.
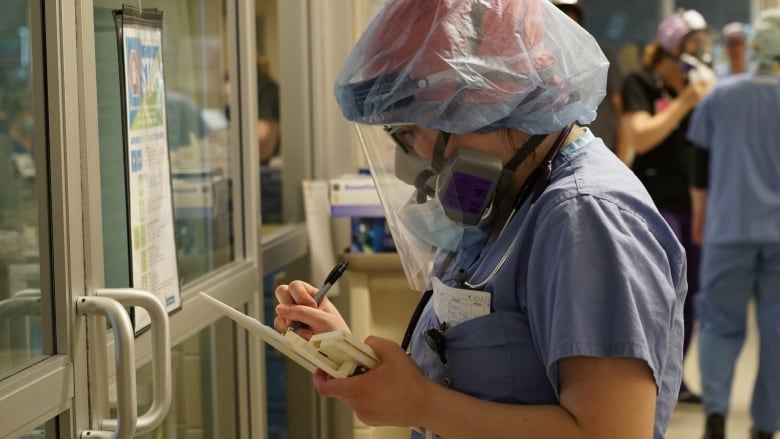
(339, 353)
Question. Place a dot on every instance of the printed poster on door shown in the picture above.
(149, 196)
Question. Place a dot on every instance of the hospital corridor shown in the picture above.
(389, 219)
(686, 419)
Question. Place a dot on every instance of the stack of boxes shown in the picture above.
(355, 197)
(202, 221)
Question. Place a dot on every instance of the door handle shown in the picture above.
(161, 361)
(23, 303)
(127, 410)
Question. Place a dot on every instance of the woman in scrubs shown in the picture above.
(553, 288)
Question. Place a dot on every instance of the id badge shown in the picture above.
(456, 305)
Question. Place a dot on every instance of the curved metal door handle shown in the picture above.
(161, 355)
(127, 409)
(161, 361)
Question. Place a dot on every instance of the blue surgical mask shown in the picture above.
(429, 222)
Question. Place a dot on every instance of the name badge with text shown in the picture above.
(455, 305)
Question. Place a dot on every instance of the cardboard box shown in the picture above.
(354, 196)
(201, 221)
(199, 189)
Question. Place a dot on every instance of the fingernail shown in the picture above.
(282, 309)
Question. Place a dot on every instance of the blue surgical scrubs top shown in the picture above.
(738, 123)
(595, 271)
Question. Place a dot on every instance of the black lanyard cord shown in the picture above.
(424, 299)
(426, 296)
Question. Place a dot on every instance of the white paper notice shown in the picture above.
(151, 207)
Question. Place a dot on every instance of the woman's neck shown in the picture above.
(507, 204)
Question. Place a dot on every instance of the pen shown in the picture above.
(333, 276)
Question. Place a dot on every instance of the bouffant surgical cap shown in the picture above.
(473, 66)
(673, 29)
(765, 40)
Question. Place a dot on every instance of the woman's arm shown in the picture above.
(599, 398)
(698, 209)
(646, 131)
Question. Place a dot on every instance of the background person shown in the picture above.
(268, 129)
(657, 103)
(489, 180)
(737, 213)
(735, 43)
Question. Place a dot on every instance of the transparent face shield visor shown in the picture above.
(395, 195)
(430, 203)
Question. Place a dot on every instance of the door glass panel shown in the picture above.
(21, 141)
(204, 387)
(195, 66)
(268, 113)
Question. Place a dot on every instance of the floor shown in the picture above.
(688, 419)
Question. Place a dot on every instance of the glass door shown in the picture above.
(43, 355)
(63, 226)
(208, 65)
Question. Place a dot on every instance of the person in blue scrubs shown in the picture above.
(737, 217)
(554, 289)
(657, 103)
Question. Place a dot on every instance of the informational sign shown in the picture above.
(147, 164)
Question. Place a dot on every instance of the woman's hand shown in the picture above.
(695, 91)
(390, 394)
(296, 303)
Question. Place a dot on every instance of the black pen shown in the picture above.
(333, 276)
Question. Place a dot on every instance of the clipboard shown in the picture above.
(338, 353)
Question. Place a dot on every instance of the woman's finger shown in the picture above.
(296, 292)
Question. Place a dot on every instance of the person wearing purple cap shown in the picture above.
(657, 103)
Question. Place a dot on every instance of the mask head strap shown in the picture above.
(513, 163)
(423, 181)
(539, 179)
(524, 151)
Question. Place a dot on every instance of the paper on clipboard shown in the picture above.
(338, 353)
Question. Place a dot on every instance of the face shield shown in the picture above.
(696, 57)
(395, 194)
(460, 66)
(432, 203)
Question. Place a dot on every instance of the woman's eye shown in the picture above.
(407, 135)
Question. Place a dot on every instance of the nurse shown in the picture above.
(553, 288)
(737, 217)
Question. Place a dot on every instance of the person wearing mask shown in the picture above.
(737, 217)
(606, 125)
(553, 287)
(735, 42)
(657, 103)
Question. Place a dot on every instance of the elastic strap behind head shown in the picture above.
(524, 151)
